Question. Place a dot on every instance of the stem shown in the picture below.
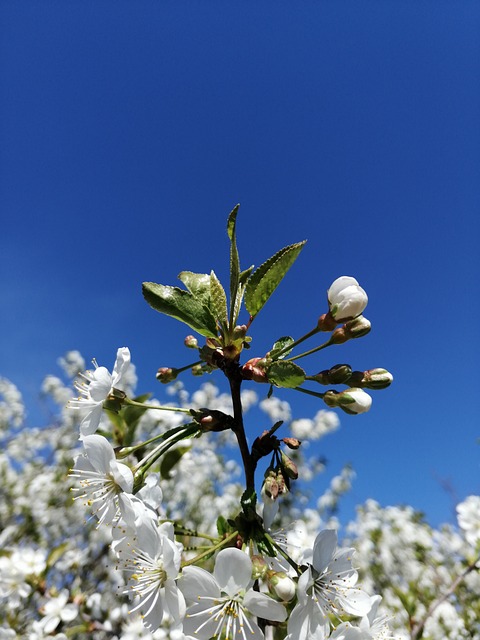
(307, 353)
(163, 447)
(133, 403)
(249, 464)
(418, 628)
(316, 394)
(296, 343)
(211, 549)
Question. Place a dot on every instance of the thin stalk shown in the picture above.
(211, 549)
(162, 448)
(308, 353)
(296, 343)
(283, 553)
(134, 403)
(316, 394)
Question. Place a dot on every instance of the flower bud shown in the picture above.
(191, 342)
(346, 298)
(338, 374)
(292, 443)
(240, 331)
(289, 467)
(270, 485)
(377, 378)
(357, 327)
(282, 585)
(253, 370)
(326, 322)
(166, 374)
(354, 401)
(260, 567)
(197, 370)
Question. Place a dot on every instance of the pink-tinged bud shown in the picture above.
(166, 374)
(326, 322)
(346, 299)
(292, 443)
(240, 331)
(253, 370)
(357, 327)
(191, 342)
(339, 336)
(270, 486)
(282, 585)
(377, 378)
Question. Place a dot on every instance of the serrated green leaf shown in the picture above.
(285, 374)
(263, 282)
(198, 284)
(234, 261)
(279, 345)
(218, 300)
(181, 305)
(170, 459)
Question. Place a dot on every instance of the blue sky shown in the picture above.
(128, 132)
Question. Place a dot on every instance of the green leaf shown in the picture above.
(198, 284)
(170, 459)
(287, 374)
(222, 526)
(182, 305)
(218, 300)
(279, 345)
(263, 282)
(234, 262)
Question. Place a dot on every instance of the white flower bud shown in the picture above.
(354, 401)
(346, 298)
(282, 585)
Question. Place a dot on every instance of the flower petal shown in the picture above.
(233, 571)
(264, 607)
(323, 549)
(196, 582)
(99, 452)
(101, 384)
(121, 365)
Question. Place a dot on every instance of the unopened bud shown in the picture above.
(212, 419)
(377, 378)
(346, 298)
(338, 374)
(240, 331)
(166, 374)
(191, 342)
(326, 322)
(282, 585)
(339, 336)
(253, 370)
(270, 485)
(352, 401)
(289, 467)
(260, 567)
(197, 370)
(357, 327)
(292, 443)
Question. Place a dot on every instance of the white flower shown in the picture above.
(327, 586)
(346, 298)
(105, 483)
(154, 560)
(57, 610)
(225, 600)
(95, 387)
(468, 513)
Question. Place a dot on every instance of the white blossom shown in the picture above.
(346, 298)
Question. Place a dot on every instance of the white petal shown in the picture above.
(101, 385)
(69, 612)
(263, 606)
(99, 452)
(122, 475)
(121, 365)
(339, 284)
(174, 601)
(90, 422)
(196, 582)
(354, 601)
(323, 549)
(307, 623)
(233, 571)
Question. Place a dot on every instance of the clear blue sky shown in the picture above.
(130, 129)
